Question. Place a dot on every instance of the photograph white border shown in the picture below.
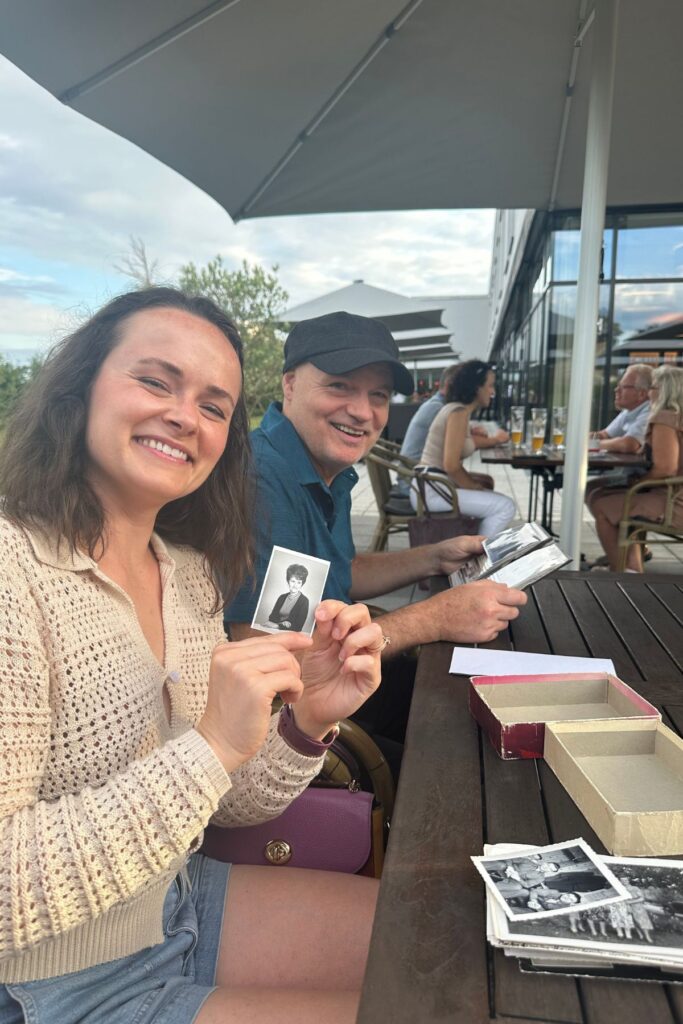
(621, 894)
(314, 596)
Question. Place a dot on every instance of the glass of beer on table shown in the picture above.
(559, 426)
(539, 422)
(517, 425)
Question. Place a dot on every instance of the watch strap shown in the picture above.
(298, 740)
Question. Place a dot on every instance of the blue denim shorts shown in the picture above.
(165, 984)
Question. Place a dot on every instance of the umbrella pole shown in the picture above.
(587, 292)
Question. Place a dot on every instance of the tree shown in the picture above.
(13, 380)
(137, 265)
(254, 299)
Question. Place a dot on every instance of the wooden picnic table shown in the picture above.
(429, 960)
(544, 467)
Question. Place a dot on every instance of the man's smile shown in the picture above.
(350, 431)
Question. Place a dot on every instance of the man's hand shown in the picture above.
(476, 612)
(448, 555)
(501, 436)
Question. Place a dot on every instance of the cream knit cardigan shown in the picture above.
(101, 797)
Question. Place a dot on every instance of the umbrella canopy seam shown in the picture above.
(384, 37)
(140, 53)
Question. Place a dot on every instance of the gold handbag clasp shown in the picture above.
(277, 851)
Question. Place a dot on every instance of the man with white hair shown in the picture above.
(626, 432)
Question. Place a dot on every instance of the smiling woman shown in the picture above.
(128, 721)
(45, 472)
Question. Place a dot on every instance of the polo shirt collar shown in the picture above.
(284, 438)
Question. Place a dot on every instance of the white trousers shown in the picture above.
(496, 511)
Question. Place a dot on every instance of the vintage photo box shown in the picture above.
(626, 778)
(513, 710)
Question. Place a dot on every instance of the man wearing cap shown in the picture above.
(338, 377)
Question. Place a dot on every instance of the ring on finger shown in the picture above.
(386, 640)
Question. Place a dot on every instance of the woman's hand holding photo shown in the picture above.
(244, 679)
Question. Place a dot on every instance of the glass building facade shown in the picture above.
(640, 307)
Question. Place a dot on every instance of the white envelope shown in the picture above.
(475, 661)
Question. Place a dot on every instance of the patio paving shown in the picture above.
(513, 482)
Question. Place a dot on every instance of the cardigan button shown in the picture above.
(174, 676)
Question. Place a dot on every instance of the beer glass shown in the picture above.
(517, 425)
(539, 422)
(559, 426)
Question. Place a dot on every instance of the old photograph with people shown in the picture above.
(649, 922)
(550, 880)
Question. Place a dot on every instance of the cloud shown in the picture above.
(12, 283)
(33, 326)
(72, 194)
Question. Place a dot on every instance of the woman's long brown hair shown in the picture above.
(43, 461)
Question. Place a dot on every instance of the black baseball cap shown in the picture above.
(341, 342)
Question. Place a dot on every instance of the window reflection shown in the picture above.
(566, 243)
(650, 245)
(646, 322)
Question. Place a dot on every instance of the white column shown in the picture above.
(592, 224)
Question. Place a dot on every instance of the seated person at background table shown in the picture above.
(624, 435)
(291, 609)
(626, 432)
(418, 428)
(448, 442)
(127, 719)
(664, 454)
(339, 373)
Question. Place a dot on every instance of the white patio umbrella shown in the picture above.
(295, 106)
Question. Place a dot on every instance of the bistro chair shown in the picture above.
(635, 529)
(395, 513)
(392, 447)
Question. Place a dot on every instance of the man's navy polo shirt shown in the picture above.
(295, 509)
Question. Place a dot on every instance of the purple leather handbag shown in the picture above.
(328, 828)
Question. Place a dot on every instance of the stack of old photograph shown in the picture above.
(565, 909)
(518, 556)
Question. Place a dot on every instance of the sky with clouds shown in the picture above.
(72, 194)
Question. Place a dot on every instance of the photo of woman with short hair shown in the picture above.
(290, 611)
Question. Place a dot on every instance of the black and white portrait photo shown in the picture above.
(550, 880)
(291, 592)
